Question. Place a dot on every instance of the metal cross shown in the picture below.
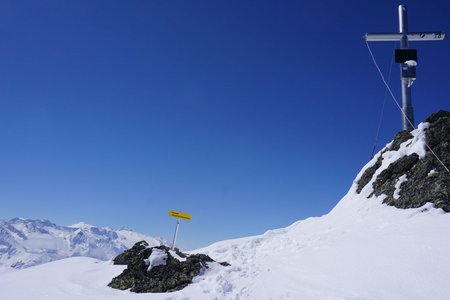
(407, 67)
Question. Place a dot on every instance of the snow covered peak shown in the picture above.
(362, 249)
(31, 224)
(81, 225)
(400, 173)
(414, 144)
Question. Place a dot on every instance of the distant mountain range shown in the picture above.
(25, 243)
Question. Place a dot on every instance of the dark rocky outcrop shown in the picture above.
(427, 179)
(134, 254)
(399, 139)
(368, 174)
(173, 275)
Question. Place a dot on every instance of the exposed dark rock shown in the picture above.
(438, 135)
(426, 179)
(368, 174)
(435, 117)
(138, 250)
(399, 139)
(172, 276)
(385, 182)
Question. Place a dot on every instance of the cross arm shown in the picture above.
(412, 36)
(425, 36)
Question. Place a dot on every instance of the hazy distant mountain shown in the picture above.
(25, 243)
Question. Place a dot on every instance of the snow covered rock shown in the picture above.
(158, 269)
(407, 173)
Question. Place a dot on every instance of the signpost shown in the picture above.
(407, 69)
(178, 215)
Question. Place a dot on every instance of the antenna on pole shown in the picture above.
(407, 59)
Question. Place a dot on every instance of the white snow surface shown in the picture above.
(176, 256)
(362, 249)
(398, 185)
(411, 63)
(157, 258)
(432, 173)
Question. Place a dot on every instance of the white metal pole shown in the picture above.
(408, 112)
(176, 234)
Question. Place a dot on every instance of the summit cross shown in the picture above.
(407, 59)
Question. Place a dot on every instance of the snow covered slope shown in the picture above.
(25, 243)
(362, 249)
(84, 278)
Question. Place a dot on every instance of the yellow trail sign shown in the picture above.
(180, 215)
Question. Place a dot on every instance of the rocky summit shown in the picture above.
(158, 269)
(414, 180)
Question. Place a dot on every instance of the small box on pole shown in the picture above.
(403, 55)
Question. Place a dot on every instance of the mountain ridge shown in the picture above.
(27, 242)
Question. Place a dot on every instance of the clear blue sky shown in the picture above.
(250, 115)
